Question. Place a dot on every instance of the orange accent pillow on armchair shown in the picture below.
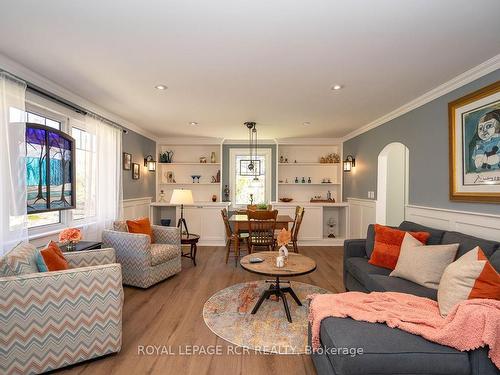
(388, 245)
(140, 226)
(51, 258)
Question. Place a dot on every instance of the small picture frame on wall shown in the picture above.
(474, 122)
(127, 161)
(136, 171)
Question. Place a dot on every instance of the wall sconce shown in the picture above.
(349, 163)
(150, 163)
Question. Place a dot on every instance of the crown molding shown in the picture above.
(189, 141)
(470, 75)
(309, 141)
(29, 75)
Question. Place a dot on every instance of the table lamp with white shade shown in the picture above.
(182, 197)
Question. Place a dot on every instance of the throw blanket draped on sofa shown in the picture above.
(470, 325)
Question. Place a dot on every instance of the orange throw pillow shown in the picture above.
(140, 226)
(51, 259)
(388, 245)
(470, 276)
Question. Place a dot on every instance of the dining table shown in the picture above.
(240, 224)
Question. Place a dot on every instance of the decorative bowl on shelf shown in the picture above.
(286, 200)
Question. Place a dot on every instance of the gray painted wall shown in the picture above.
(140, 147)
(225, 164)
(424, 131)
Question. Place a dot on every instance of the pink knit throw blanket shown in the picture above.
(470, 325)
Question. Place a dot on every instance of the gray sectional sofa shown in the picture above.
(387, 350)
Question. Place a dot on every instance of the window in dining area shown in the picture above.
(243, 185)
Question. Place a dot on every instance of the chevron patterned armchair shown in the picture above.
(145, 263)
(50, 320)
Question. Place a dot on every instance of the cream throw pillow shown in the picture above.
(424, 265)
(471, 276)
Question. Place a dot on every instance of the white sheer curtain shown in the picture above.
(103, 177)
(13, 219)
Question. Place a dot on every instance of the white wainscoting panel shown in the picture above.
(362, 212)
(136, 207)
(472, 223)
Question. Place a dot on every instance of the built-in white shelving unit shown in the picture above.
(186, 163)
(303, 161)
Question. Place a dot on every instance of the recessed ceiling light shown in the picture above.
(306, 123)
(337, 87)
(161, 87)
(193, 123)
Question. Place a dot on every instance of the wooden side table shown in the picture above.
(83, 245)
(192, 241)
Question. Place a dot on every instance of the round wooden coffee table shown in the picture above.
(296, 265)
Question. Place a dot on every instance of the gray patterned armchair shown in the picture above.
(144, 263)
(49, 320)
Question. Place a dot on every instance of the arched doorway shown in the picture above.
(392, 184)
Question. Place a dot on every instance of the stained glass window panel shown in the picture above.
(50, 172)
(36, 168)
(61, 181)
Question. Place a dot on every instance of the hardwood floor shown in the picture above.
(169, 314)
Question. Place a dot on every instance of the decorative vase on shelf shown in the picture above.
(166, 157)
(214, 198)
(212, 157)
(162, 196)
(331, 225)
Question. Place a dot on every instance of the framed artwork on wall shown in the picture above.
(127, 161)
(136, 171)
(474, 127)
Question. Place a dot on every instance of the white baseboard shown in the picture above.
(473, 223)
(136, 207)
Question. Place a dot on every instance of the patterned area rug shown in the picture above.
(227, 314)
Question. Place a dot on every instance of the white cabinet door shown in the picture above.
(212, 226)
(312, 224)
(193, 219)
(205, 221)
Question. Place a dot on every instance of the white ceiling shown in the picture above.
(230, 61)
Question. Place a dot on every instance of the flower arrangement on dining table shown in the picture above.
(284, 237)
(70, 237)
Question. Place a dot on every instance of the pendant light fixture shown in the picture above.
(251, 166)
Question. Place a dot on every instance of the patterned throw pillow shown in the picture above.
(19, 261)
(51, 259)
(471, 276)
(424, 265)
(120, 226)
(388, 245)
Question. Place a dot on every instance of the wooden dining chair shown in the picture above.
(254, 207)
(231, 238)
(261, 227)
(299, 215)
